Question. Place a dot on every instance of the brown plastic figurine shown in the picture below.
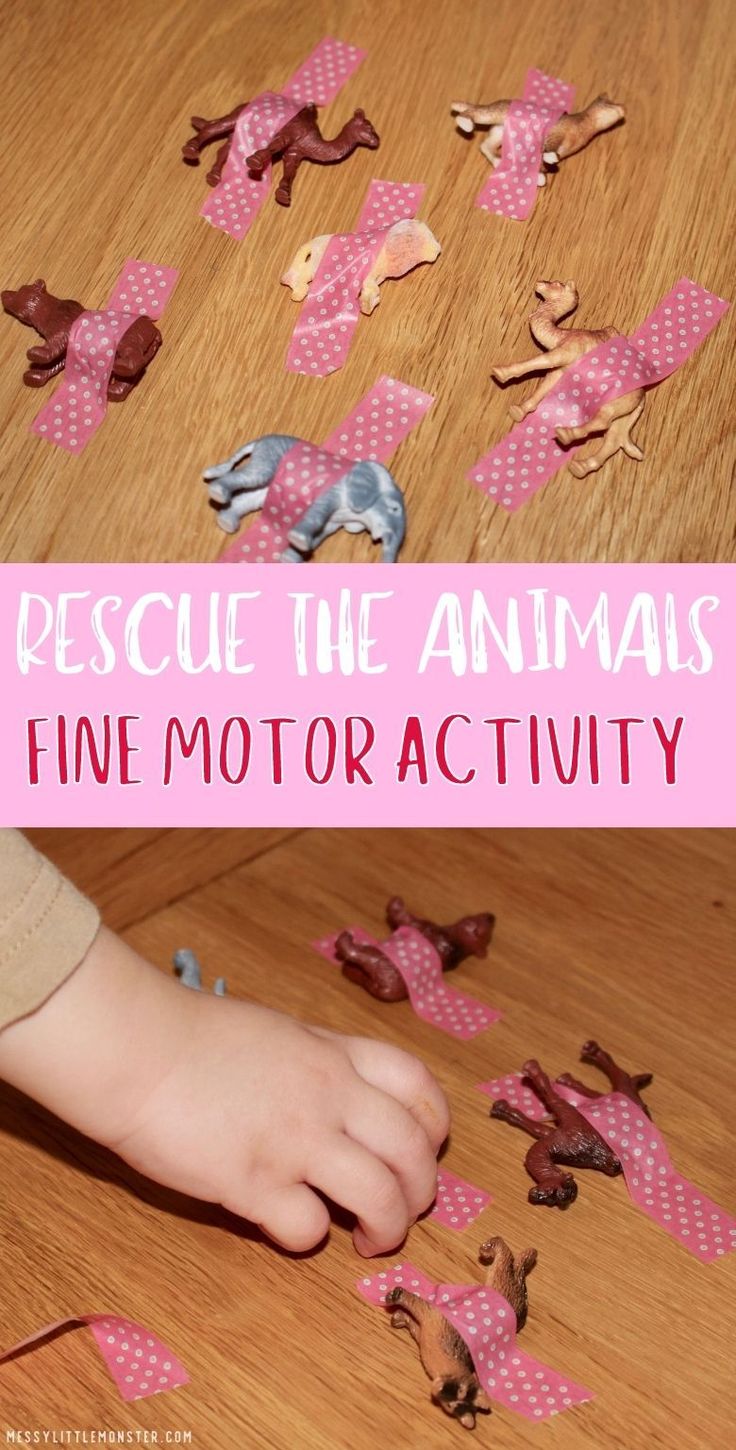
(53, 317)
(621, 1081)
(565, 1137)
(563, 346)
(371, 969)
(571, 133)
(299, 140)
(443, 1352)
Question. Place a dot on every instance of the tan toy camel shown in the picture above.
(444, 1354)
(571, 133)
(407, 244)
(565, 345)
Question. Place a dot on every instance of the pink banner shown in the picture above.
(431, 997)
(321, 339)
(678, 1206)
(374, 429)
(511, 189)
(234, 204)
(140, 1364)
(458, 1204)
(529, 456)
(79, 405)
(487, 1324)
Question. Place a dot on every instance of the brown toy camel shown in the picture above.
(371, 969)
(443, 1352)
(571, 133)
(566, 1137)
(621, 1081)
(53, 317)
(299, 140)
(563, 346)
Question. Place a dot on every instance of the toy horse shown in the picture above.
(569, 1138)
(371, 969)
(53, 318)
(565, 346)
(443, 1352)
(299, 140)
(571, 133)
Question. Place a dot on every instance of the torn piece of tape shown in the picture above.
(139, 1363)
(458, 1204)
(79, 404)
(512, 187)
(329, 316)
(529, 456)
(235, 202)
(374, 429)
(430, 995)
(678, 1206)
(487, 1324)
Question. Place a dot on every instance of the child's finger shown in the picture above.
(393, 1134)
(294, 1217)
(353, 1177)
(407, 1080)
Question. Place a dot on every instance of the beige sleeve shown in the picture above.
(46, 927)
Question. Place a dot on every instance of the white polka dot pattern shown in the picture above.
(487, 1324)
(79, 405)
(529, 455)
(233, 205)
(374, 429)
(677, 1205)
(139, 1363)
(458, 1203)
(511, 189)
(321, 338)
(430, 996)
(513, 1088)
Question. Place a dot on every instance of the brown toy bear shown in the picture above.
(53, 317)
(371, 969)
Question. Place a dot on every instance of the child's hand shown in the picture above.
(235, 1103)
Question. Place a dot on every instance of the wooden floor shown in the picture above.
(94, 108)
(624, 935)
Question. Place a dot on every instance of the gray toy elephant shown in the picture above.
(366, 497)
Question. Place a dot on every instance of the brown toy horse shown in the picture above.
(371, 969)
(53, 317)
(299, 140)
(444, 1354)
(569, 1138)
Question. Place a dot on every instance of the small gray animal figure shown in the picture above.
(366, 498)
(189, 972)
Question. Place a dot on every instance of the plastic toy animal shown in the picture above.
(571, 133)
(407, 244)
(621, 1081)
(53, 317)
(565, 345)
(567, 1139)
(366, 497)
(189, 972)
(444, 1354)
(299, 140)
(371, 969)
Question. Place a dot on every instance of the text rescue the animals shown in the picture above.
(282, 750)
(75, 631)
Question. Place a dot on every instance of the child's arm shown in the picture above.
(232, 1102)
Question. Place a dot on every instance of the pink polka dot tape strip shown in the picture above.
(79, 405)
(321, 338)
(137, 1360)
(511, 189)
(233, 205)
(513, 1088)
(458, 1203)
(529, 456)
(487, 1324)
(374, 429)
(419, 965)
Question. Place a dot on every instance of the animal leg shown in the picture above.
(601, 421)
(47, 352)
(370, 294)
(492, 146)
(214, 175)
(557, 357)
(118, 388)
(408, 1311)
(516, 1119)
(207, 131)
(218, 469)
(543, 1087)
(519, 411)
(291, 160)
(243, 504)
(314, 522)
(36, 377)
(617, 439)
(567, 1080)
